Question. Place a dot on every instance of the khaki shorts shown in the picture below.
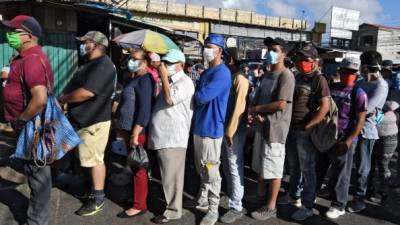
(94, 142)
(268, 158)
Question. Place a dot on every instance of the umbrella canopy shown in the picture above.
(149, 40)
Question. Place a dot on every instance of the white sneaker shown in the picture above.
(334, 213)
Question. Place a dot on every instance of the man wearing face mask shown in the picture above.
(211, 98)
(169, 130)
(273, 110)
(31, 69)
(89, 99)
(235, 138)
(352, 106)
(310, 106)
(377, 90)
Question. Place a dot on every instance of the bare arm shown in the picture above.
(36, 104)
(79, 95)
(137, 129)
(270, 108)
(321, 113)
(357, 129)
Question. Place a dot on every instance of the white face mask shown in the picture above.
(171, 70)
(209, 54)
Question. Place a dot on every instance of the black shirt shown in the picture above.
(97, 76)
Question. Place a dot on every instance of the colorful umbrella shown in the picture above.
(148, 40)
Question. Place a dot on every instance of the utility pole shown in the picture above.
(301, 28)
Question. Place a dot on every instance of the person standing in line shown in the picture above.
(133, 117)
(89, 98)
(235, 137)
(310, 106)
(273, 109)
(377, 90)
(211, 99)
(352, 104)
(31, 69)
(169, 131)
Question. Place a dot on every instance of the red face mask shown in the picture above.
(305, 67)
(348, 79)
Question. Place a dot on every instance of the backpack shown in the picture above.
(325, 134)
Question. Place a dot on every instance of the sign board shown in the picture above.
(339, 33)
(346, 19)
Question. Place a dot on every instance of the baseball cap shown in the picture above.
(26, 23)
(309, 51)
(216, 39)
(174, 56)
(268, 41)
(95, 36)
(350, 63)
(387, 63)
(154, 57)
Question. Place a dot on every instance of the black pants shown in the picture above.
(339, 179)
(39, 180)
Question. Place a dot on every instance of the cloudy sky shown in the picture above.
(372, 11)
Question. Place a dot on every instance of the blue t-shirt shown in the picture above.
(211, 99)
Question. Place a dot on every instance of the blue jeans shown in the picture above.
(307, 158)
(339, 177)
(363, 165)
(296, 179)
(233, 168)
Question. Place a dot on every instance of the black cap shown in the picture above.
(268, 41)
(387, 63)
(371, 58)
(309, 51)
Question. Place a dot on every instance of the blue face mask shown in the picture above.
(272, 57)
(82, 50)
(133, 65)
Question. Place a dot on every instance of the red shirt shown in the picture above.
(29, 66)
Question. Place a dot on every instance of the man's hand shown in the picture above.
(229, 140)
(260, 119)
(18, 125)
(341, 148)
(62, 99)
(253, 109)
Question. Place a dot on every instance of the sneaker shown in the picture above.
(91, 208)
(356, 206)
(264, 213)
(334, 213)
(302, 214)
(209, 219)
(231, 216)
(378, 198)
(203, 207)
(288, 200)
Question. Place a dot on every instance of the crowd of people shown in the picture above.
(165, 102)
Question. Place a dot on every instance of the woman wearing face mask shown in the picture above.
(133, 117)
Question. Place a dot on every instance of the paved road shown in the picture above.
(13, 203)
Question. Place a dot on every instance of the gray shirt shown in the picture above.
(275, 87)
(377, 92)
(170, 125)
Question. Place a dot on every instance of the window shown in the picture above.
(366, 41)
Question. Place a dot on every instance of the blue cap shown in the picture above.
(174, 56)
(216, 39)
